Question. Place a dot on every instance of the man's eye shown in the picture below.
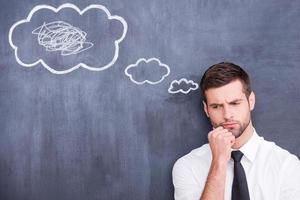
(215, 107)
(235, 103)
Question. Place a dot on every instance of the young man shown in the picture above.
(237, 163)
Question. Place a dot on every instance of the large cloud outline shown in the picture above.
(147, 61)
(80, 12)
(182, 81)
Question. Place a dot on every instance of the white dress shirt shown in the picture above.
(272, 172)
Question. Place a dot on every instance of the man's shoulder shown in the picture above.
(202, 152)
(198, 156)
(270, 150)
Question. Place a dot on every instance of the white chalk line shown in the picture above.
(170, 90)
(147, 61)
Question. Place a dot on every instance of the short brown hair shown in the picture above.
(223, 73)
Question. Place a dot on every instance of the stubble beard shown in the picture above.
(242, 127)
(237, 132)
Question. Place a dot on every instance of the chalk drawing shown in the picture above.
(151, 71)
(182, 86)
(62, 36)
(70, 47)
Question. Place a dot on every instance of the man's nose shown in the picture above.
(227, 112)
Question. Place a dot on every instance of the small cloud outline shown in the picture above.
(170, 90)
(136, 64)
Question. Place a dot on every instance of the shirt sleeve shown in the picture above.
(290, 187)
(186, 185)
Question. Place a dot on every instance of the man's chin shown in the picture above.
(236, 133)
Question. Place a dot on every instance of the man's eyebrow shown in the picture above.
(220, 104)
(215, 104)
(235, 100)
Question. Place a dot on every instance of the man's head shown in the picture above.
(227, 97)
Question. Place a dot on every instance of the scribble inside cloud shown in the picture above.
(151, 71)
(182, 86)
(65, 38)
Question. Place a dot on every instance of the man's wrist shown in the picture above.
(219, 162)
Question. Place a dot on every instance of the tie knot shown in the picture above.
(236, 156)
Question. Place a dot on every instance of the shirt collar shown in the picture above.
(251, 147)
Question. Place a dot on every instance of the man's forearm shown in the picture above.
(215, 182)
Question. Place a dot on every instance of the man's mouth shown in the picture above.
(229, 125)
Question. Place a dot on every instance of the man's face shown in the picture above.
(228, 106)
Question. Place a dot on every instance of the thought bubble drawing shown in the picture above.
(65, 38)
(61, 36)
(150, 71)
(182, 86)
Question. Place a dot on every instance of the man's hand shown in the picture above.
(220, 142)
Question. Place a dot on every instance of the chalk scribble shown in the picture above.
(62, 36)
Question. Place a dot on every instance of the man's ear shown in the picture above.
(252, 101)
(205, 108)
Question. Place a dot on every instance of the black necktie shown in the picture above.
(239, 185)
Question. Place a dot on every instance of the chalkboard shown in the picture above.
(98, 99)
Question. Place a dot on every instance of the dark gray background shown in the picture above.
(96, 135)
